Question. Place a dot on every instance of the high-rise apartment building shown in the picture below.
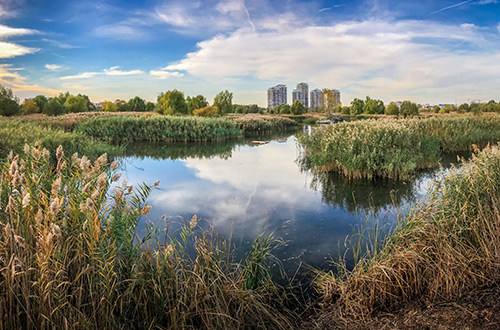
(276, 96)
(301, 93)
(316, 98)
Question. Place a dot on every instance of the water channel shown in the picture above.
(245, 189)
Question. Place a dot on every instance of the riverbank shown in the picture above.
(395, 148)
(446, 248)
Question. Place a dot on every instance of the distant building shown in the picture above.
(336, 97)
(301, 93)
(316, 98)
(276, 96)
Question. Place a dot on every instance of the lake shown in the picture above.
(246, 189)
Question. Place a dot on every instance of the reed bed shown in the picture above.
(395, 148)
(159, 128)
(15, 133)
(448, 245)
(70, 257)
(255, 124)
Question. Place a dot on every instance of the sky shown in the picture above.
(425, 51)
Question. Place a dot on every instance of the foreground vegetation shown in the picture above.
(394, 148)
(447, 246)
(15, 133)
(69, 257)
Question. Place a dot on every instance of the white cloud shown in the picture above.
(383, 59)
(10, 77)
(162, 74)
(9, 50)
(6, 31)
(53, 67)
(115, 71)
(120, 31)
(83, 75)
(498, 27)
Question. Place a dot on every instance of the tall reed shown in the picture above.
(159, 128)
(395, 148)
(445, 247)
(70, 257)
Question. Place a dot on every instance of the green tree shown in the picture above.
(208, 111)
(196, 102)
(90, 105)
(373, 107)
(41, 101)
(224, 102)
(62, 97)
(436, 109)
(285, 109)
(172, 103)
(392, 109)
(108, 106)
(298, 108)
(357, 107)
(53, 107)
(338, 108)
(463, 108)
(76, 104)
(136, 104)
(150, 106)
(345, 110)
(328, 101)
(408, 109)
(29, 107)
(9, 104)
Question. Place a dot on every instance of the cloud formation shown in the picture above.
(112, 71)
(11, 78)
(162, 74)
(9, 49)
(379, 58)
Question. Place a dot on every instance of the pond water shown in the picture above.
(246, 189)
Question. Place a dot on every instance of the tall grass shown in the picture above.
(70, 257)
(15, 133)
(395, 148)
(159, 128)
(255, 124)
(445, 247)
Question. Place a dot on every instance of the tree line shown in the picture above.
(171, 102)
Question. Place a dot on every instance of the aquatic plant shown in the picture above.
(394, 148)
(448, 245)
(70, 257)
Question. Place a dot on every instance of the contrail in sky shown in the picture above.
(452, 6)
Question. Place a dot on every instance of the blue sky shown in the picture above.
(425, 51)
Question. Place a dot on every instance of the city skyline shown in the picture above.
(427, 52)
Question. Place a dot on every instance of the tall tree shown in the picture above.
(172, 103)
(108, 106)
(328, 101)
(136, 104)
(408, 109)
(357, 107)
(196, 102)
(53, 107)
(9, 104)
(29, 107)
(150, 106)
(298, 108)
(41, 101)
(373, 107)
(75, 104)
(392, 109)
(224, 102)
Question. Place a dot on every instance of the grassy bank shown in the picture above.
(254, 124)
(15, 133)
(394, 148)
(69, 257)
(446, 247)
(158, 128)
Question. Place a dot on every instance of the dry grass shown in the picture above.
(448, 245)
(70, 258)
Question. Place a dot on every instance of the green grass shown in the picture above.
(14, 134)
(70, 257)
(395, 148)
(159, 128)
(447, 246)
(254, 124)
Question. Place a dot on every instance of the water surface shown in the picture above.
(247, 189)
